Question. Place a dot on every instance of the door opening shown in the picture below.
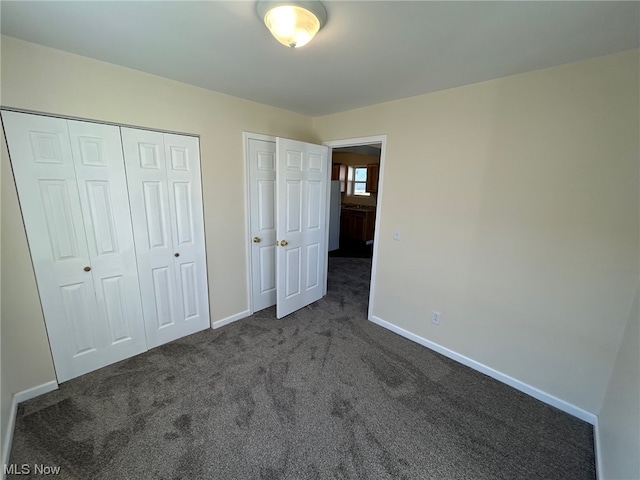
(267, 256)
(357, 167)
(287, 184)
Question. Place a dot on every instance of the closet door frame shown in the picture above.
(88, 291)
(85, 262)
(165, 191)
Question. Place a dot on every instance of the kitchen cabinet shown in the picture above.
(373, 170)
(356, 225)
(339, 172)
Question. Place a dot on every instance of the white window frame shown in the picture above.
(351, 182)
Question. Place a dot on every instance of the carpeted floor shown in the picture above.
(320, 394)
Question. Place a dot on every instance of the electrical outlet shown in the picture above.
(436, 317)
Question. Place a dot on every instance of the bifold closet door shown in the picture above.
(163, 172)
(73, 195)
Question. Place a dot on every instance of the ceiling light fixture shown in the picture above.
(293, 23)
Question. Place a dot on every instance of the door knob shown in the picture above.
(87, 269)
(283, 243)
(257, 239)
(176, 254)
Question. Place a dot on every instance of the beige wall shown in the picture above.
(47, 80)
(517, 202)
(25, 360)
(619, 420)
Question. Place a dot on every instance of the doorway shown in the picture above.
(358, 166)
(287, 184)
(354, 192)
(262, 284)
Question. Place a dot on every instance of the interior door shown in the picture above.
(91, 310)
(301, 202)
(262, 195)
(166, 208)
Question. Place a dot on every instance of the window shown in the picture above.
(358, 181)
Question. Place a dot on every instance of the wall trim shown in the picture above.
(20, 397)
(596, 448)
(231, 319)
(504, 378)
(92, 120)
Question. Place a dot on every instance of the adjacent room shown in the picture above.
(398, 240)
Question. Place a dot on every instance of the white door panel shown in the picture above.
(45, 177)
(301, 202)
(71, 223)
(77, 300)
(147, 180)
(262, 195)
(187, 216)
(165, 192)
(102, 186)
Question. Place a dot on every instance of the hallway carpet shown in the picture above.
(320, 394)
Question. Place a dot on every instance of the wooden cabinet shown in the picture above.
(356, 225)
(373, 170)
(339, 172)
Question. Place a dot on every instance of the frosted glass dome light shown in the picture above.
(293, 24)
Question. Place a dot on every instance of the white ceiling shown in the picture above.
(368, 52)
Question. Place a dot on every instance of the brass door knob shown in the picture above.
(283, 243)
(176, 254)
(257, 239)
(87, 269)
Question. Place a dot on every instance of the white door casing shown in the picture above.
(301, 203)
(76, 227)
(165, 193)
(262, 222)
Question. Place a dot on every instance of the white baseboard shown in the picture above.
(512, 382)
(230, 319)
(8, 435)
(596, 448)
(18, 398)
(34, 392)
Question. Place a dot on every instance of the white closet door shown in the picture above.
(301, 202)
(102, 185)
(166, 209)
(182, 154)
(43, 164)
(262, 194)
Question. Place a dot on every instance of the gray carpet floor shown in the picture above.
(322, 393)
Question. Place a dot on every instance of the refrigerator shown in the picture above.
(334, 216)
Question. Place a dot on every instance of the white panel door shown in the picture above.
(102, 186)
(182, 154)
(147, 180)
(53, 207)
(166, 209)
(262, 195)
(301, 202)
